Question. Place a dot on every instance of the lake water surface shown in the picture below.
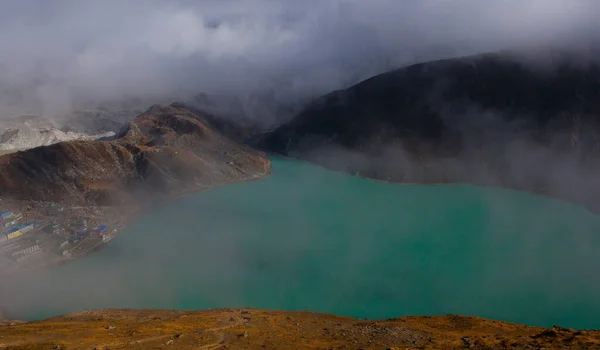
(308, 238)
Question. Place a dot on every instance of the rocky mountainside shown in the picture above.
(29, 132)
(164, 152)
(521, 120)
(257, 329)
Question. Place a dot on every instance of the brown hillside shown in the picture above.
(257, 329)
(164, 152)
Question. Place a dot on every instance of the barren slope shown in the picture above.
(162, 153)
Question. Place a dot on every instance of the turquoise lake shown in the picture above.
(308, 238)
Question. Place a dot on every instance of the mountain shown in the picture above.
(104, 116)
(526, 120)
(164, 152)
(29, 131)
(236, 129)
(258, 329)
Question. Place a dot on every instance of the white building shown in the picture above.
(27, 251)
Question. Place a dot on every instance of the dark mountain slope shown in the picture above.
(493, 119)
(164, 152)
(430, 100)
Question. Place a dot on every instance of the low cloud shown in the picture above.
(64, 54)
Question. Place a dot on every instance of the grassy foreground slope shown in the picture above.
(258, 329)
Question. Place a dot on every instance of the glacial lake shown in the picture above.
(310, 239)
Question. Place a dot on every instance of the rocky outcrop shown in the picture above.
(162, 153)
(257, 329)
(502, 119)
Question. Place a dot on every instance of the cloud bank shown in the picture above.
(61, 54)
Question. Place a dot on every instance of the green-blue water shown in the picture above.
(307, 238)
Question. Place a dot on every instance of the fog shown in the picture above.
(340, 244)
(59, 55)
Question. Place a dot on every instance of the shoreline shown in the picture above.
(128, 219)
(259, 177)
(139, 210)
(460, 183)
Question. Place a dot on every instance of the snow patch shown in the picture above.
(25, 134)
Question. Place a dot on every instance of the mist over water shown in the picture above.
(308, 238)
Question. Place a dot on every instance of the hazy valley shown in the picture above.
(369, 161)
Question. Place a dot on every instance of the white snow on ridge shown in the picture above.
(21, 133)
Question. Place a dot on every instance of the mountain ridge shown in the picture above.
(29, 132)
(490, 119)
(164, 152)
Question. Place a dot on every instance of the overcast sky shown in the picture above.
(53, 52)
